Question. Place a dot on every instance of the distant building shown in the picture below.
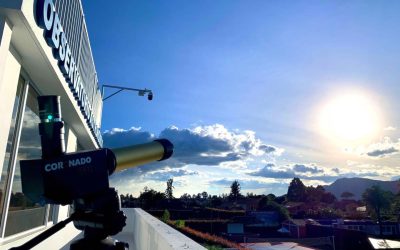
(296, 228)
(274, 246)
(247, 204)
(295, 207)
(253, 225)
(361, 209)
(369, 227)
(345, 238)
(235, 228)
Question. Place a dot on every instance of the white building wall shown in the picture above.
(22, 46)
(9, 74)
(57, 78)
(70, 140)
(149, 233)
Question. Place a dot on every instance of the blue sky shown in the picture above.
(240, 88)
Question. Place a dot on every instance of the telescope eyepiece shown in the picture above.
(168, 148)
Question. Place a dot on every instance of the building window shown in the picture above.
(7, 163)
(22, 214)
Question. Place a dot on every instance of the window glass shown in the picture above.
(5, 170)
(51, 212)
(23, 214)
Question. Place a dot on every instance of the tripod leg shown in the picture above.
(46, 234)
(106, 244)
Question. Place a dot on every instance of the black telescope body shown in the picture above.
(82, 178)
(60, 178)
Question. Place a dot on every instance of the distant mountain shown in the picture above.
(357, 186)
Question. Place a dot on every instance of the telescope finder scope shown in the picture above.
(49, 108)
(51, 127)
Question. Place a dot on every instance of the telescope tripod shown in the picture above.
(98, 217)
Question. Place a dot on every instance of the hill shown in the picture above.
(357, 186)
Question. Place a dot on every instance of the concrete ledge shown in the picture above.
(150, 233)
(142, 232)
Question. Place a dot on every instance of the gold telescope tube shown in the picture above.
(136, 155)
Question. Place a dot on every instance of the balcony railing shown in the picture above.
(145, 232)
(142, 232)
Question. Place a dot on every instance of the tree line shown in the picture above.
(381, 205)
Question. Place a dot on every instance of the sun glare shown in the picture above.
(349, 117)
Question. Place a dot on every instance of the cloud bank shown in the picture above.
(167, 173)
(383, 149)
(229, 155)
(212, 145)
(307, 172)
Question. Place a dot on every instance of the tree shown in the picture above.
(271, 197)
(328, 198)
(346, 195)
(166, 216)
(268, 205)
(168, 191)
(150, 198)
(215, 201)
(296, 190)
(186, 199)
(281, 199)
(251, 195)
(18, 200)
(314, 194)
(235, 190)
(377, 200)
(396, 207)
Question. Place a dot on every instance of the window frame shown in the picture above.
(27, 84)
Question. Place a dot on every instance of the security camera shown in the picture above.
(150, 96)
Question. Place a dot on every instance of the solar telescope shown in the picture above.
(82, 180)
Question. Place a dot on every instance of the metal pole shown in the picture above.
(120, 88)
(125, 88)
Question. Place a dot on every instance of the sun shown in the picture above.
(349, 117)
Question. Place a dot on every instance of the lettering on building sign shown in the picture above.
(48, 19)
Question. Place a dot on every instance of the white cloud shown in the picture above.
(251, 185)
(382, 149)
(203, 145)
(211, 146)
(168, 173)
(317, 174)
(390, 128)
(118, 137)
